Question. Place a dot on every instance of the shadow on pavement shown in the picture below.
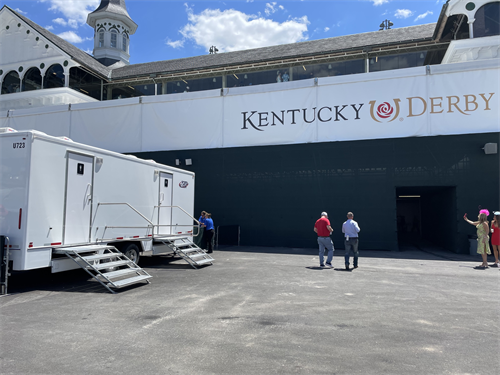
(78, 280)
(408, 252)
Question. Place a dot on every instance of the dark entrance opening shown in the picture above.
(427, 216)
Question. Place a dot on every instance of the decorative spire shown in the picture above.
(112, 6)
(113, 9)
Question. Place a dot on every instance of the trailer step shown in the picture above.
(107, 257)
(188, 251)
(204, 261)
(100, 256)
(130, 281)
(106, 265)
(123, 272)
(81, 249)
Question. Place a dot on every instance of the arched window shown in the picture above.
(32, 80)
(124, 42)
(11, 83)
(54, 77)
(101, 38)
(487, 21)
(114, 39)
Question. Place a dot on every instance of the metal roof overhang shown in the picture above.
(345, 55)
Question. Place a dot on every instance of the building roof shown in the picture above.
(76, 53)
(373, 39)
(112, 6)
(284, 51)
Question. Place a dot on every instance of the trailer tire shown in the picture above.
(132, 252)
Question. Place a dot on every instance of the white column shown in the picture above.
(471, 29)
(66, 79)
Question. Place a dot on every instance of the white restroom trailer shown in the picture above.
(57, 195)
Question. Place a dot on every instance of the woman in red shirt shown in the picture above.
(495, 237)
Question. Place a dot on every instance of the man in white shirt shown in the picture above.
(351, 229)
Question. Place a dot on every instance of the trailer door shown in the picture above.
(77, 211)
(165, 204)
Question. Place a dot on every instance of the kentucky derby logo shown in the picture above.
(385, 111)
(183, 184)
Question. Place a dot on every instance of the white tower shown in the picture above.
(112, 29)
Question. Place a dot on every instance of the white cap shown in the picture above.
(324, 214)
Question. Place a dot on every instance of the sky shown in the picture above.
(170, 29)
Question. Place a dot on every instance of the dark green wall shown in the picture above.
(276, 193)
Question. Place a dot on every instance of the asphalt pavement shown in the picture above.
(260, 311)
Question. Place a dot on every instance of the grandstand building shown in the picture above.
(400, 126)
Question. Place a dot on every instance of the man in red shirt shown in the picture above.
(324, 230)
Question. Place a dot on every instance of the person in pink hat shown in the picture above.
(483, 239)
(495, 237)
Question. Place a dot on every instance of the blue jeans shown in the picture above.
(351, 245)
(325, 243)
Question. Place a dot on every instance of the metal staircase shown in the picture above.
(187, 250)
(106, 264)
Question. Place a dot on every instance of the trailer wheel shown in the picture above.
(131, 251)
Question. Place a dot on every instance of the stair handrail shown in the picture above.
(123, 204)
(177, 225)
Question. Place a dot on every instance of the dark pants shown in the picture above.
(351, 245)
(209, 236)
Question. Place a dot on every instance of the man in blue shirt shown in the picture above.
(209, 232)
(351, 229)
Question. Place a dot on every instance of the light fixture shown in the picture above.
(177, 162)
(189, 162)
(409, 196)
(490, 148)
(178, 83)
(235, 76)
(304, 67)
(145, 87)
(214, 80)
(157, 173)
(131, 87)
(184, 82)
(245, 76)
(329, 66)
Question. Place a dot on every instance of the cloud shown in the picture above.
(60, 21)
(20, 11)
(379, 2)
(273, 8)
(76, 11)
(72, 37)
(326, 29)
(232, 30)
(423, 15)
(50, 27)
(175, 43)
(403, 13)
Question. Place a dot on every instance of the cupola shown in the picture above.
(112, 29)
